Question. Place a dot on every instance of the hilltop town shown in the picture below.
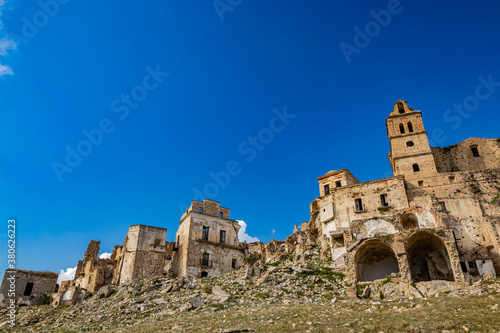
(431, 229)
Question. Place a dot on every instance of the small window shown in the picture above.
(451, 178)
(204, 274)
(401, 108)
(327, 189)
(475, 152)
(206, 259)
(28, 289)
(233, 263)
(204, 233)
(420, 183)
(200, 210)
(157, 242)
(221, 214)
(463, 266)
(178, 239)
(443, 206)
(359, 205)
(410, 127)
(402, 128)
(222, 237)
(410, 143)
(338, 183)
(416, 168)
(383, 200)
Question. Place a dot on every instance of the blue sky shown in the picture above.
(232, 69)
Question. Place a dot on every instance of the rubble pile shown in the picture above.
(287, 279)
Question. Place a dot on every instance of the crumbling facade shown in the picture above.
(207, 242)
(25, 287)
(206, 245)
(437, 218)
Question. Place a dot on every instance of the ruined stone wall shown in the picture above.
(92, 272)
(41, 283)
(144, 253)
(338, 209)
(459, 157)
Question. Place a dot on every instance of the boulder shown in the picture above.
(105, 291)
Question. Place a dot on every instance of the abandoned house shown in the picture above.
(29, 286)
(437, 218)
(206, 245)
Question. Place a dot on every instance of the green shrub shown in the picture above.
(253, 257)
(45, 299)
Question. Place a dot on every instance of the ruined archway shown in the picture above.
(375, 260)
(428, 258)
(409, 221)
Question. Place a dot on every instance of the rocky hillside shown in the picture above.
(280, 289)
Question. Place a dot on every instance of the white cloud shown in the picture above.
(68, 274)
(6, 44)
(242, 234)
(5, 70)
(273, 232)
(105, 255)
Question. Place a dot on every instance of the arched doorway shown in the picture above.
(428, 258)
(375, 260)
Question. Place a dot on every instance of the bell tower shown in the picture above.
(410, 154)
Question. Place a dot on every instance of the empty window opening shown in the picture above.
(178, 239)
(420, 183)
(157, 242)
(410, 127)
(327, 189)
(223, 237)
(204, 274)
(338, 240)
(383, 200)
(410, 143)
(401, 108)
(282, 248)
(200, 210)
(206, 259)
(338, 183)
(451, 178)
(359, 205)
(204, 233)
(463, 266)
(28, 289)
(475, 152)
(442, 206)
(221, 214)
(402, 128)
(416, 168)
(233, 263)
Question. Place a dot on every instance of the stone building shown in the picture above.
(207, 241)
(26, 287)
(206, 245)
(437, 218)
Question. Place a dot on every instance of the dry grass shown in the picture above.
(443, 314)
